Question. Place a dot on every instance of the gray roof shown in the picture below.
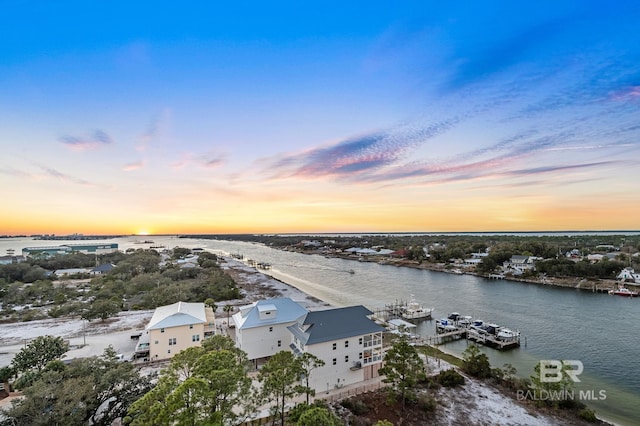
(177, 314)
(334, 324)
(284, 310)
(105, 267)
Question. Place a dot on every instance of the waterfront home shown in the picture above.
(517, 264)
(261, 327)
(346, 339)
(628, 274)
(178, 326)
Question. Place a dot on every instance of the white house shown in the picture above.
(261, 328)
(518, 264)
(628, 274)
(347, 341)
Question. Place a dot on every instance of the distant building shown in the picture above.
(60, 273)
(105, 268)
(8, 260)
(49, 251)
(517, 264)
(175, 327)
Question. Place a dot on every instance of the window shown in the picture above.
(334, 346)
(162, 330)
(360, 341)
(169, 351)
(360, 355)
(195, 338)
(172, 341)
(156, 342)
(335, 361)
(279, 343)
(270, 329)
(346, 343)
(190, 326)
(346, 358)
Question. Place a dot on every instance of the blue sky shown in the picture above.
(157, 117)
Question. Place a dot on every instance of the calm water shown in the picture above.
(600, 330)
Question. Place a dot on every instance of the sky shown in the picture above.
(259, 117)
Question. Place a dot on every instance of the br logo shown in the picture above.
(551, 370)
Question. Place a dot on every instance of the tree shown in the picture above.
(476, 363)
(207, 259)
(39, 352)
(211, 303)
(200, 386)
(318, 416)
(6, 373)
(96, 390)
(180, 252)
(218, 342)
(402, 368)
(102, 309)
(308, 362)
(278, 378)
(228, 308)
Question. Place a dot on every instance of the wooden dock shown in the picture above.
(449, 336)
(475, 336)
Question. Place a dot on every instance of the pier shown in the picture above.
(474, 336)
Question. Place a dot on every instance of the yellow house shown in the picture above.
(175, 327)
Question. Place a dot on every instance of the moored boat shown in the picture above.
(445, 325)
(623, 291)
(413, 310)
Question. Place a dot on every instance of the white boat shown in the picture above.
(623, 291)
(507, 335)
(477, 325)
(445, 325)
(414, 310)
(465, 321)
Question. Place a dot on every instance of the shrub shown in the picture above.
(427, 403)
(450, 378)
(588, 415)
(357, 406)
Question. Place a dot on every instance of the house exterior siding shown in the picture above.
(262, 342)
(179, 326)
(358, 361)
(161, 345)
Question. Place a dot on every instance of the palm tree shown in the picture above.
(228, 309)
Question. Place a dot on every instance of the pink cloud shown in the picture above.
(86, 142)
(133, 166)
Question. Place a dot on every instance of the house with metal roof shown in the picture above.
(105, 268)
(346, 339)
(178, 326)
(261, 328)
